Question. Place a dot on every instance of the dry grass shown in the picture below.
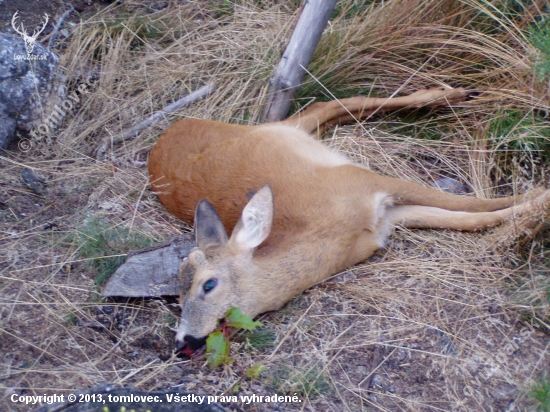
(435, 306)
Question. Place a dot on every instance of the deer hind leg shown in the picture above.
(406, 193)
(321, 115)
(426, 217)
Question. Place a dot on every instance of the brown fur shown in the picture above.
(328, 213)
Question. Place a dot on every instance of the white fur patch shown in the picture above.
(380, 223)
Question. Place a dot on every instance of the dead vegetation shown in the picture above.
(437, 321)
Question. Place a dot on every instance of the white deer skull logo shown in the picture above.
(29, 40)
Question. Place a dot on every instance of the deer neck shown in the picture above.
(281, 276)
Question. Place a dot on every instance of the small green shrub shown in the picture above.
(100, 242)
(519, 134)
(260, 338)
(540, 392)
(71, 318)
(223, 8)
(305, 382)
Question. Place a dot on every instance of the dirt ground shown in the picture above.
(425, 325)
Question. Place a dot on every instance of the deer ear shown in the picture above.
(256, 220)
(209, 230)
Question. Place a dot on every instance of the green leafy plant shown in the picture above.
(236, 319)
(255, 370)
(217, 343)
(217, 349)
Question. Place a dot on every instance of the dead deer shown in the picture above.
(298, 211)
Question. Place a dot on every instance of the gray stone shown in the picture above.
(25, 85)
(450, 186)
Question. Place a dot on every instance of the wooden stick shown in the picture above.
(161, 114)
(58, 26)
(290, 72)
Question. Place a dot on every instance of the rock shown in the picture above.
(30, 179)
(24, 85)
(159, 5)
(362, 370)
(450, 186)
(504, 391)
(377, 380)
(151, 271)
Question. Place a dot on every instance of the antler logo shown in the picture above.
(29, 40)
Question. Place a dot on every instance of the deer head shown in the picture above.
(219, 273)
(29, 40)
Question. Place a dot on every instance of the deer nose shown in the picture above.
(194, 343)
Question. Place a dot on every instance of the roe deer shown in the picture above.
(299, 212)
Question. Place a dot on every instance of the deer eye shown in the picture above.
(209, 285)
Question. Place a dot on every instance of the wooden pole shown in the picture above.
(291, 69)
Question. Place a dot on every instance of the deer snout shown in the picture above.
(190, 342)
(180, 344)
(195, 343)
